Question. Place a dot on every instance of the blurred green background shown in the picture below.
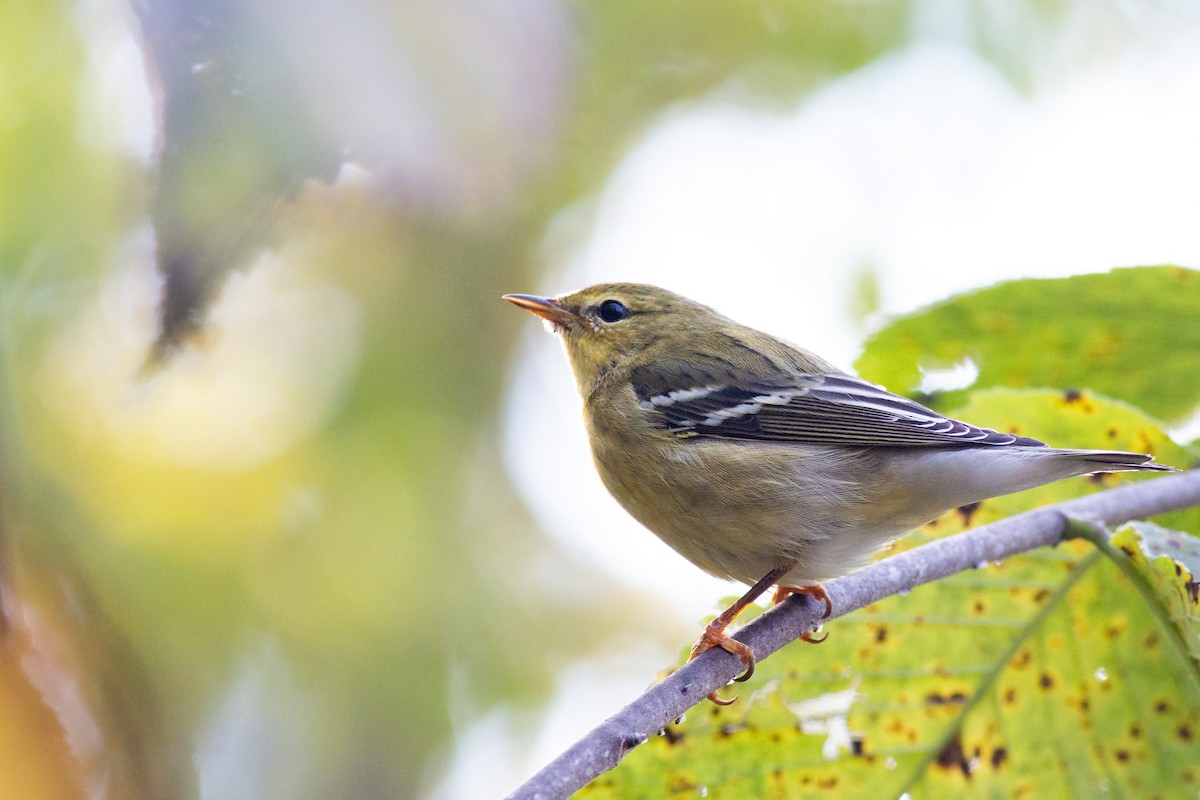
(260, 540)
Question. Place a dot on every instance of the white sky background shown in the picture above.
(926, 165)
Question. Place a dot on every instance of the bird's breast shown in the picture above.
(738, 509)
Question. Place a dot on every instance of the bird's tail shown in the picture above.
(1117, 461)
(946, 477)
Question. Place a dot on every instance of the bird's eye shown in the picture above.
(613, 311)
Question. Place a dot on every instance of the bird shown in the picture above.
(763, 463)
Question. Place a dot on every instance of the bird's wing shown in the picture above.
(830, 409)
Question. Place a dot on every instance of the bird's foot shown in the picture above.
(714, 636)
(816, 591)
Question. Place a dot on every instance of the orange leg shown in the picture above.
(714, 635)
(816, 591)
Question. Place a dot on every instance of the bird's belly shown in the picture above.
(739, 510)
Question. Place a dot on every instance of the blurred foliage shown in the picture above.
(227, 99)
(1094, 331)
(1043, 675)
(314, 472)
(641, 57)
(51, 221)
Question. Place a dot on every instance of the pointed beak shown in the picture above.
(545, 307)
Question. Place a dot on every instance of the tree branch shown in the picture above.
(606, 744)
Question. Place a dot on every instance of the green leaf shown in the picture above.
(1129, 334)
(1046, 675)
(1170, 562)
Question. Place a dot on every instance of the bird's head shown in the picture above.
(610, 325)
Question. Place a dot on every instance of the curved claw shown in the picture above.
(812, 639)
(824, 595)
(745, 676)
(715, 698)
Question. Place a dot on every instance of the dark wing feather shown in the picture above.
(831, 409)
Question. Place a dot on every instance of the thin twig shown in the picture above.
(605, 745)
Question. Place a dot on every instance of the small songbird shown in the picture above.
(761, 462)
